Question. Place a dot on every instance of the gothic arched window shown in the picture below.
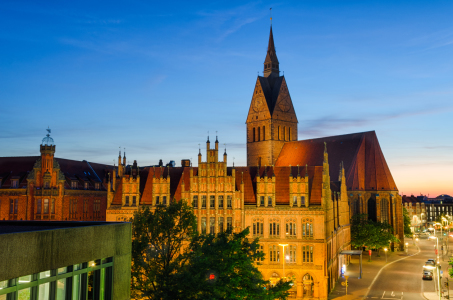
(384, 211)
(372, 209)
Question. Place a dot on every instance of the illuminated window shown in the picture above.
(203, 201)
(274, 253)
(307, 254)
(261, 200)
(96, 185)
(221, 228)
(307, 228)
(274, 228)
(46, 206)
(294, 200)
(73, 184)
(229, 201)
(220, 201)
(291, 254)
(14, 183)
(258, 227)
(211, 225)
(212, 201)
(52, 206)
(195, 202)
(203, 225)
(291, 228)
(230, 223)
(85, 185)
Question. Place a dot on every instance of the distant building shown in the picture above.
(65, 260)
(416, 209)
(48, 188)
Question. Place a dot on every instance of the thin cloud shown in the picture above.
(323, 125)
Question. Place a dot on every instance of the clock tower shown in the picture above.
(271, 120)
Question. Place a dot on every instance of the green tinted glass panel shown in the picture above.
(44, 274)
(25, 279)
(61, 289)
(44, 290)
(24, 294)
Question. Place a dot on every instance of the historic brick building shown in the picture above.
(297, 196)
(49, 188)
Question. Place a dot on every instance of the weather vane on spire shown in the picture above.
(270, 9)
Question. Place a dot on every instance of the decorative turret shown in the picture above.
(47, 149)
(124, 158)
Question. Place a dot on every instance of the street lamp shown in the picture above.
(385, 250)
(283, 246)
(437, 247)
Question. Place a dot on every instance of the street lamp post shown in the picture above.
(407, 248)
(385, 250)
(284, 257)
(437, 247)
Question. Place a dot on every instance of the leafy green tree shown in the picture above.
(407, 223)
(374, 235)
(159, 249)
(223, 266)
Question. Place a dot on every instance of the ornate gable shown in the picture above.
(258, 105)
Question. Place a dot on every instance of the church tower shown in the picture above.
(271, 120)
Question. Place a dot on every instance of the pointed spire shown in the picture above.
(271, 64)
(306, 170)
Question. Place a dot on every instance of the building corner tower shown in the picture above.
(271, 120)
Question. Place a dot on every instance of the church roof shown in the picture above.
(364, 162)
(271, 89)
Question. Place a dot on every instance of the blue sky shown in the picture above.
(156, 77)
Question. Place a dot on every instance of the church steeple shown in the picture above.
(271, 65)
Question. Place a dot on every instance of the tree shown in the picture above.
(159, 249)
(223, 266)
(374, 235)
(407, 223)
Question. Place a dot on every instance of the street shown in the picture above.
(400, 278)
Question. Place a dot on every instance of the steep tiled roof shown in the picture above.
(178, 175)
(364, 162)
(16, 167)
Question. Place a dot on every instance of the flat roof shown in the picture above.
(27, 226)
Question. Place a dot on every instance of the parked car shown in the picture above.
(427, 275)
(432, 261)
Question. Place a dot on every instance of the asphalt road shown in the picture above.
(403, 279)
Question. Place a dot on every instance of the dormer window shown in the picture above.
(73, 184)
(85, 185)
(96, 185)
(15, 183)
(46, 185)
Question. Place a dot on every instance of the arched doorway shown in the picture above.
(307, 281)
(372, 209)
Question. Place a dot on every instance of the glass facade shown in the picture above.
(85, 281)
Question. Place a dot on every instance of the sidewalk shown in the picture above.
(358, 288)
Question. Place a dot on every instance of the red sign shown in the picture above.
(369, 252)
(211, 276)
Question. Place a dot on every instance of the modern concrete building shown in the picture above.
(51, 260)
